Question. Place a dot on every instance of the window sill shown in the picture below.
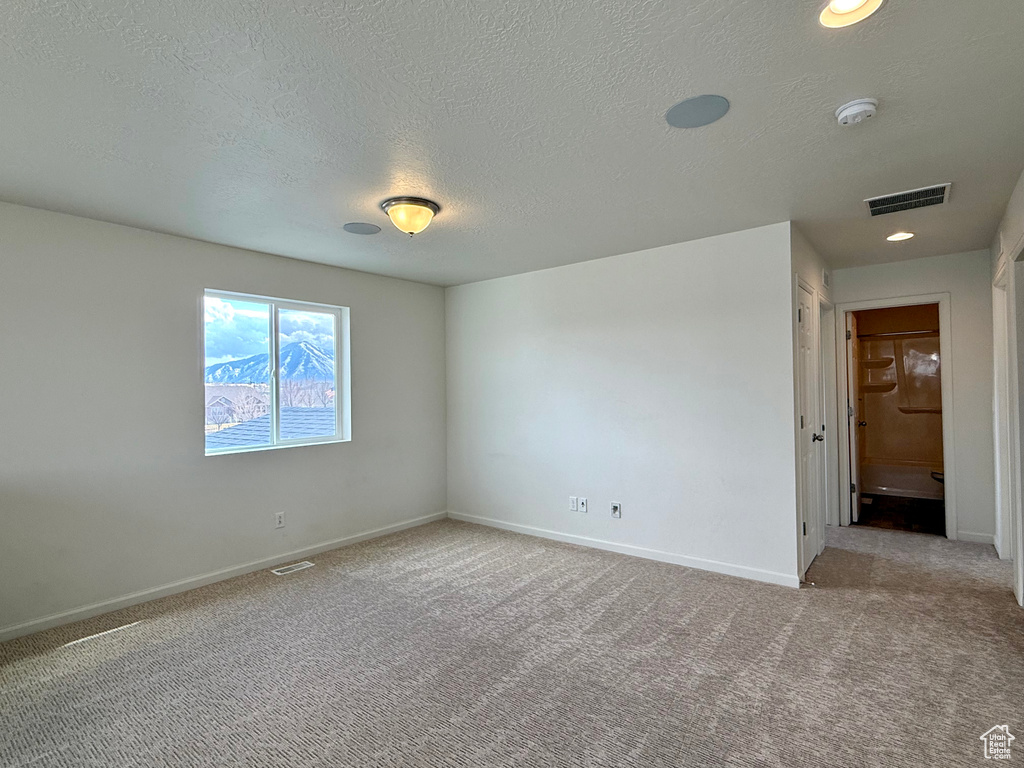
(259, 448)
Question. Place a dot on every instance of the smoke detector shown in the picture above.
(857, 111)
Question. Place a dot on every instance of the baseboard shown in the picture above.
(977, 538)
(106, 606)
(756, 574)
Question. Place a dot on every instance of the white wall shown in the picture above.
(1009, 238)
(966, 277)
(1008, 245)
(661, 379)
(104, 488)
(808, 264)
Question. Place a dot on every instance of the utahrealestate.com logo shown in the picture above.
(997, 742)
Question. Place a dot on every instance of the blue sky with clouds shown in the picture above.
(235, 329)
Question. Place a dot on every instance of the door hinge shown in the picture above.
(801, 421)
(805, 529)
(849, 335)
(853, 488)
(849, 411)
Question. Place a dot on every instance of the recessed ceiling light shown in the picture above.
(410, 214)
(698, 111)
(899, 237)
(844, 13)
(361, 228)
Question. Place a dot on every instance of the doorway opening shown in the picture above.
(895, 409)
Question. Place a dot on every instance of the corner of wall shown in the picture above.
(809, 264)
(1009, 239)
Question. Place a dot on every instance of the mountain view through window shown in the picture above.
(244, 409)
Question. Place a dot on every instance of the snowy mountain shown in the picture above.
(300, 360)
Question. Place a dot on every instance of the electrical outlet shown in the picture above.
(279, 520)
(583, 504)
(573, 504)
(616, 509)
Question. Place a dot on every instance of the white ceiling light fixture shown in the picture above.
(899, 237)
(410, 214)
(844, 13)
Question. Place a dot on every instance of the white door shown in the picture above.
(825, 330)
(810, 421)
(853, 409)
(1005, 491)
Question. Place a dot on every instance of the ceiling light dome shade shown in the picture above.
(845, 6)
(410, 214)
(844, 13)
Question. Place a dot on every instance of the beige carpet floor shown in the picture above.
(454, 644)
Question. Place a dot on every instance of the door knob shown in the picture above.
(817, 438)
(862, 423)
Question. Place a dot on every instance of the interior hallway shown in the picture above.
(458, 644)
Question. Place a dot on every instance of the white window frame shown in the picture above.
(342, 370)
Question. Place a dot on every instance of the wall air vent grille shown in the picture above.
(906, 201)
(284, 570)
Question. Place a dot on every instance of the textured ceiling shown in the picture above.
(537, 125)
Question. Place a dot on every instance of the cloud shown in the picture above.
(217, 310)
(315, 328)
(235, 329)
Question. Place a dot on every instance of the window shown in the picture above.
(275, 373)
